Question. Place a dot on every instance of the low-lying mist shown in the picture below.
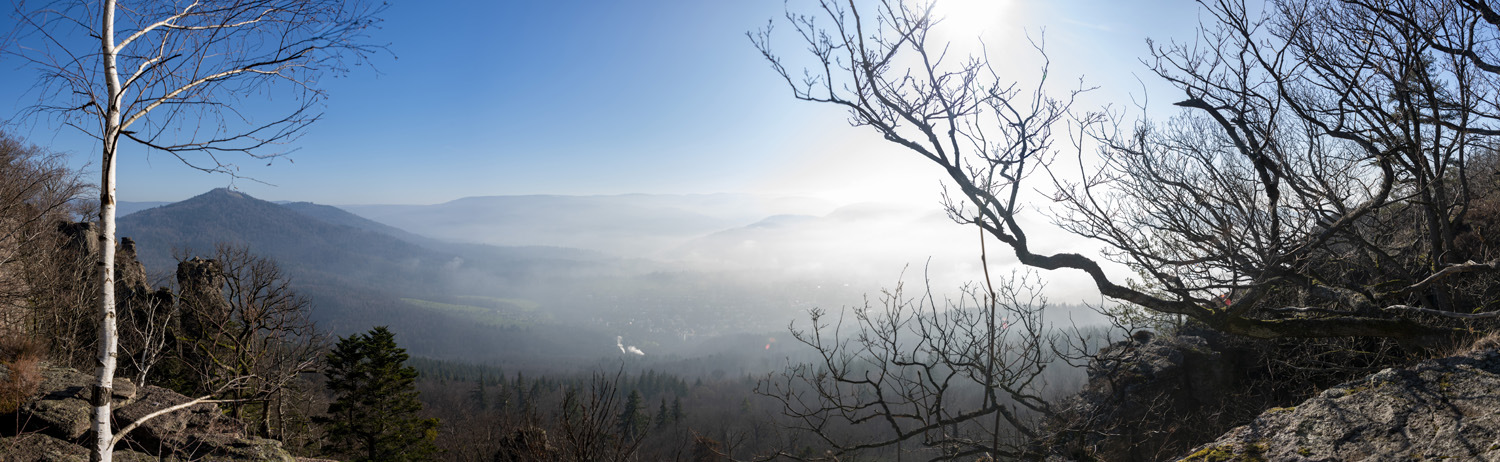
(574, 279)
(651, 272)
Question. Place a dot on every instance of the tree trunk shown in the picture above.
(103, 388)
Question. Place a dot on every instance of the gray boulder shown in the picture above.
(1444, 409)
(166, 431)
(208, 447)
(62, 407)
(37, 447)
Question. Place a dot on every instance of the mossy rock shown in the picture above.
(1255, 452)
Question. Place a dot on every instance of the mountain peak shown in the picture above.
(224, 192)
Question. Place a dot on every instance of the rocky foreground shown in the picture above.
(52, 425)
(1443, 409)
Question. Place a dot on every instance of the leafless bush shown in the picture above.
(962, 377)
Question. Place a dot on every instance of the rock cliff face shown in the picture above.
(201, 282)
(1443, 409)
(1151, 398)
(53, 426)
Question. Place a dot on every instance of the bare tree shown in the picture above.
(36, 191)
(248, 338)
(1316, 185)
(1319, 184)
(590, 423)
(166, 75)
(146, 334)
(956, 379)
(63, 295)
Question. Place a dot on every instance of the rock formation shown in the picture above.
(201, 302)
(1442, 409)
(53, 425)
(54, 422)
(1150, 397)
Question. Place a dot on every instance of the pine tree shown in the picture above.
(677, 414)
(634, 418)
(661, 415)
(480, 395)
(522, 403)
(374, 418)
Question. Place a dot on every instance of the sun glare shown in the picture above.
(972, 18)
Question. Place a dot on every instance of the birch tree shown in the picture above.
(178, 77)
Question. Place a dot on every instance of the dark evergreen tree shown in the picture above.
(634, 419)
(521, 399)
(503, 402)
(662, 418)
(677, 414)
(374, 418)
(536, 390)
(480, 395)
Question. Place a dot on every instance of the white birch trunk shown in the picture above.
(103, 437)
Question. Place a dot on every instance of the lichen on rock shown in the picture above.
(1442, 409)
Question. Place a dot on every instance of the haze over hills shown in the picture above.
(357, 277)
(869, 245)
(871, 242)
(710, 277)
(123, 208)
(634, 225)
(465, 300)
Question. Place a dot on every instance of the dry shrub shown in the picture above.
(1488, 342)
(22, 382)
(22, 358)
(1475, 340)
(18, 347)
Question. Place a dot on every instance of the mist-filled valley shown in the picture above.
(550, 282)
(513, 307)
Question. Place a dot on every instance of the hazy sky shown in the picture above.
(605, 97)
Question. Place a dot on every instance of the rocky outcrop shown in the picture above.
(1185, 370)
(61, 407)
(82, 237)
(201, 282)
(526, 444)
(38, 447)
(171, 430)
(1151, 397)
(82, 240)
(130, 274)
(54, 425)
(1443, 409)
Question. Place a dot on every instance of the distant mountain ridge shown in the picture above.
(268, 229)
(694, 267)
(360, 273)
(626, 225)
(338, 216)
(123, 208)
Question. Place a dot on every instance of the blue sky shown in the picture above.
(599, 97)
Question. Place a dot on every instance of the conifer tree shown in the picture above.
(481, 395)
(634, 418)
(661, 415)
(374, 418)
(522, 404)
